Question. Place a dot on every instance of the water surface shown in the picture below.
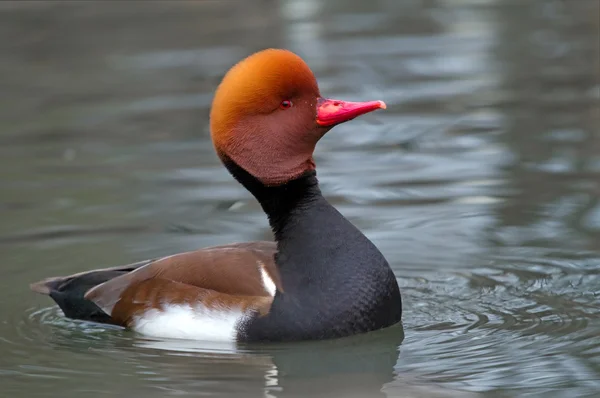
(479, 184)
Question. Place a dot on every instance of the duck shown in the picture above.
(320, 278)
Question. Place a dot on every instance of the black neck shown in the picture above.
(280, 202)
(336, 282)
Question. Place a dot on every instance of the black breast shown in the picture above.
(336, 282)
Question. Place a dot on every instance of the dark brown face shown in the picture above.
(278, 145)
(268, 115)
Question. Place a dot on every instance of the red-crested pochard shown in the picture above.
(321, 278)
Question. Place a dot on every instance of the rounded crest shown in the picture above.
(257, 85)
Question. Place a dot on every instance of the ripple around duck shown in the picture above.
(501, 300)
(458, 327)
(43, 345)
(49, 329)
(475, 325)
(361, 363)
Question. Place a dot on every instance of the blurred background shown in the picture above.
(480, 184)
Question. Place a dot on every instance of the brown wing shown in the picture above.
(149, 294)
(234, 269)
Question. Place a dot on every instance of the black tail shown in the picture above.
(68, 291)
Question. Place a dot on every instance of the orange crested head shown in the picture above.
(267, 116)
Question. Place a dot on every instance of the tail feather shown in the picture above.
(68, 291)
(45, 286)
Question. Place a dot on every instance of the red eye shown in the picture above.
(285, 104)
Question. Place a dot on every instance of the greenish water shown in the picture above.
(480, 184)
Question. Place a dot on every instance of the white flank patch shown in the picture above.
(266, 280)
(190, 323)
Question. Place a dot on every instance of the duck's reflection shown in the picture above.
(357, 366)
